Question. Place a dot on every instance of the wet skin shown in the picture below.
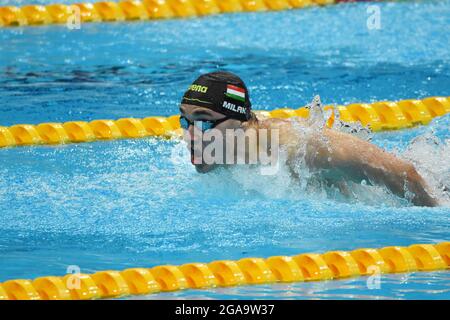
(338, 156)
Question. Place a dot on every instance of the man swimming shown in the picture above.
(220, 101)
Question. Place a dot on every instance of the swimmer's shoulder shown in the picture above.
(281, 124)
(286, 131)
(273, 123)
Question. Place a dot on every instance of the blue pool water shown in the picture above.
(131, 203)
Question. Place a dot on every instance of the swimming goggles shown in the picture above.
(203, 125)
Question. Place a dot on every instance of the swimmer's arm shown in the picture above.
(362, 160)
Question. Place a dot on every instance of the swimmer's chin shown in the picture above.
(204, 168)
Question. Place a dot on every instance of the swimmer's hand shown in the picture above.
(360, 160)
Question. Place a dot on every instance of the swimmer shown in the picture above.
(220, 101)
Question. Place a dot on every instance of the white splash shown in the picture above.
(353, 128)
(431, 157)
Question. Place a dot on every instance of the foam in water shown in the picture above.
(431, 157)
(354, 128)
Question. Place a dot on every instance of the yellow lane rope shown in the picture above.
(226, 273)
(384, 115)
(139, 10)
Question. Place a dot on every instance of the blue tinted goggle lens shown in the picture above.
(205, 125)
(202, 125)
(184, 123)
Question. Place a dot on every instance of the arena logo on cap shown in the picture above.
(236, 93)
(198, 88)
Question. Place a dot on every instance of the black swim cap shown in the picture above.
(220, 91)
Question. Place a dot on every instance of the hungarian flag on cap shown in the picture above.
(235, 93)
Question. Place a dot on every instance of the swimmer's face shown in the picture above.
(210, 119)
